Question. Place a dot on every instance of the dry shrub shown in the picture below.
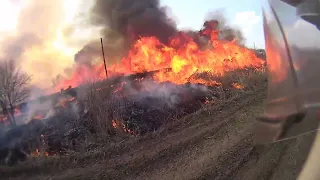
(105, 114)
(234, 82)
(98, 106)
(247, 79)
(99, 111)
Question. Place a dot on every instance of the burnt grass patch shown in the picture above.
(112, 111)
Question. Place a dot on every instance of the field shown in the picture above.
(214, 142)
(166, 103)
(184, 111)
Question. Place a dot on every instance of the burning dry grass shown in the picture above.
(107, 125)
(127, 108)
(103, 145)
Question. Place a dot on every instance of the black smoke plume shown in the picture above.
(226, 32)
(125, 21)
(133, 19)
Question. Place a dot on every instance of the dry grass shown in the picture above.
(96, 123)
(103, 110)
(101, 140)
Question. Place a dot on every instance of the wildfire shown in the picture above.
(119, 88)
(114, 124)
(119, 125)
(38, 117)
(65, 101)
(17, 112)
(237, 86)
(3, 119)
(37, 152)
(183, 56)
(187, 59)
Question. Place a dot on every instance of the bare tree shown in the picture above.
(13, 88)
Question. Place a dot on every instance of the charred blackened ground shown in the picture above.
(132, 105)
(144, 105)
(214, 136)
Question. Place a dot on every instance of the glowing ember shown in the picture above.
(36, 153)
(114, 124)
(237, 86)
(64, 101)
(3, 118)
(38, 117)
(119, 88)
(117, 124)
(17, 112)
(183, 56)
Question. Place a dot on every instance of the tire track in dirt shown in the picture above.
(229, 161)
(204, 155)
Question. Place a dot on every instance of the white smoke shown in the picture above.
(168, 93)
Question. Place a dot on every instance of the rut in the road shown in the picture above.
(212, 152)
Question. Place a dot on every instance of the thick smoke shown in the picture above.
(133, 19)
(123, 22)
(16, 46)
(227, 32)
(31, 44)
(32, 27)
(169, 94)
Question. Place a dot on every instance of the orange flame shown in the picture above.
(64, 102)
(38, 117)
(117, 124)
(114, 124)
(237, 86)
(119, 88)
(3, 118)
(183, 56)
(17, 112)
(37, 152)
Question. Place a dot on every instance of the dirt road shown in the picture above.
(214, 143)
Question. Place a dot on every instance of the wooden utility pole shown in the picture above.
(104, 59)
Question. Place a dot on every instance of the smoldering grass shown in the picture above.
(101, 139)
